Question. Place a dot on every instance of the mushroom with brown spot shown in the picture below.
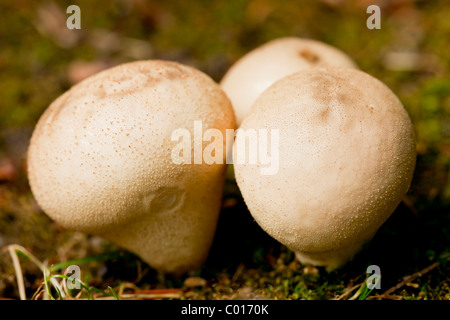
(263, 66)
(346, 159)
(100, 161)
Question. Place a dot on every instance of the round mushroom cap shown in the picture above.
(100, 160)
(263, 66)
(346, 159)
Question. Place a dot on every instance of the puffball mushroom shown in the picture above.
(263, 66)
(99, 161)
(346, 159)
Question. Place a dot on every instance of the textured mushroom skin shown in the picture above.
(265, 65)
(347, 155)
(100, 162)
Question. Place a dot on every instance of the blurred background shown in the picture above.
(40, 59)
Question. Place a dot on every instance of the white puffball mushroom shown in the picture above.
(346, 159)
(263, 66)
(99, 161)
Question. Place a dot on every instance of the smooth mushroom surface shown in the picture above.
(263, 66)
(346, 159)
(99, 161)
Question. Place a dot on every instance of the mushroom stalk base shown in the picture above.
(330, 259)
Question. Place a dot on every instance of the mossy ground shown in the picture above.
(40, 59)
